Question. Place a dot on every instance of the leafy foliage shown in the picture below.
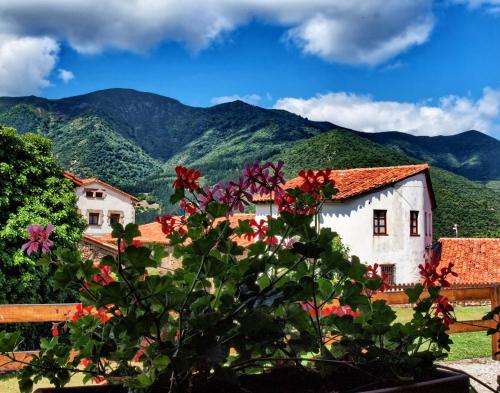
(289, 294)
(32, 190)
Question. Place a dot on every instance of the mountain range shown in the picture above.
(134, 140)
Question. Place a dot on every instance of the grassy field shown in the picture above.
(465, 345)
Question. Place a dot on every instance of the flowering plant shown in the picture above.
(288, 297)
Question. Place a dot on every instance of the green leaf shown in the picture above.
(177, 196)
(414, 293)
(161, 362)
(217, 210)
(9, 341)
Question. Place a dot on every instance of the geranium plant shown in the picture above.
(290, 300)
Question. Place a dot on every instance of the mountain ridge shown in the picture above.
(135, 139)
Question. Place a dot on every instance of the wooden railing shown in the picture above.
(29, 313)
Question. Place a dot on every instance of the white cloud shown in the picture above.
(354, 31)
(451, 114)
(252, 99)
(65, 75)
(25, 64)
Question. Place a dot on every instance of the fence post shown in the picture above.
(495, 302)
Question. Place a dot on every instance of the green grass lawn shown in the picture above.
(8, 383)
(465, 345)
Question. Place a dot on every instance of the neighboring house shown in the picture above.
(152, 234)
(383, 215)
(102, 204)
(476, 260)
(95, 248)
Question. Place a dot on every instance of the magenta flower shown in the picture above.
(38, 238)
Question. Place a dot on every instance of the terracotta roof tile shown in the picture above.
(100, 241)
(477, 260)
(152, 234)
(78, 182)
(358, 181)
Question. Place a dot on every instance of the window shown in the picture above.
(413, 223)
(89, 193)
(99, 194)
(114, 218)
(389, 272)
(380, 222)
(93, 218)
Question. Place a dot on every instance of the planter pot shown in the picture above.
(84, 389)
(444, 382)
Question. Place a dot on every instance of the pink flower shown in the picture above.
(38, 237)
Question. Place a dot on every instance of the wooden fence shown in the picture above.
(29, 313)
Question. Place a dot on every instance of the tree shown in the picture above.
(32, 190)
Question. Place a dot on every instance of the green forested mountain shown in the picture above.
(134, 140)
(471, 154)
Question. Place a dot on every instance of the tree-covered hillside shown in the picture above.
(471, 154)
(134, 140)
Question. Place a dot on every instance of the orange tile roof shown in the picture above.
(152, 234)
(477, 260)
(100, 242)
(358, 181)
(78, 182)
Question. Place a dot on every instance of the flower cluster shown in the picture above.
(103, 314)
(432, 276)
(374, 272)
(443, 309)
(313, 181)
(260, 233)
(104, 276)
(186, 178)
(171, 224)
(329, 310)
(38, 238)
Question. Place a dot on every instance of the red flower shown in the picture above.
(260, 232)
(85, 362)
(81, 311)
(138, 355)
(55, 331)
(313, 181)
(188, 207)
(443, 309)
(104, 277)
(102, 315)
(171, 224)
(135, 243)
(374, 273)
(431, 276)
(186, 178)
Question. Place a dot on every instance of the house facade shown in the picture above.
(383, 215)
(102, 204)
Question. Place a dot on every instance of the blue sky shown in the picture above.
(418, 66)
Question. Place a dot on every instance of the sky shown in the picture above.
(417, 66)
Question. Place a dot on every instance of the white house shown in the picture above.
(102, 204)
(384, 216)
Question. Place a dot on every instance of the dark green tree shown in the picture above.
(32, 190)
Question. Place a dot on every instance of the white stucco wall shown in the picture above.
(113, 202)
(353, 221)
